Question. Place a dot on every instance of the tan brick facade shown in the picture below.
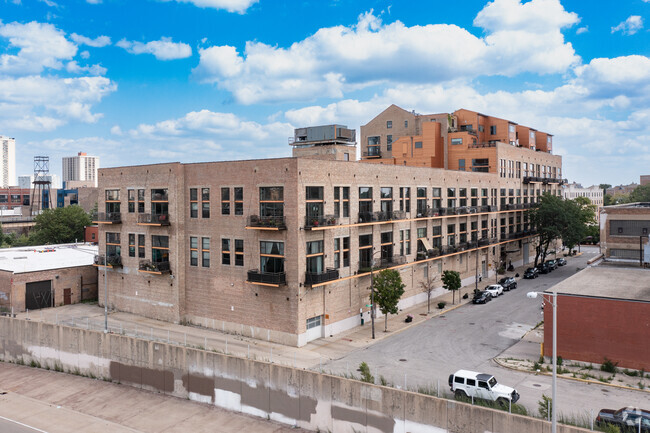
(624, 231)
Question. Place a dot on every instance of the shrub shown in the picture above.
(545, 407)
(441, 305)
(365, 373)
(609, 366)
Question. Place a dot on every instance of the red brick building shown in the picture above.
(602, 312)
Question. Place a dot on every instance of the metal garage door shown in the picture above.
(38, 295)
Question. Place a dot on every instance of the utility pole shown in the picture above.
(105, 295)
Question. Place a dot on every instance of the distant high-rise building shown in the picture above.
(81, 167)
(7, 161)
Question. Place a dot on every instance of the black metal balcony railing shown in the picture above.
(448, 249)
(255, 276)
(329, 274)
(107, 217)
(274, 222)
(154, 219)
(372, 153)
(321, 220)
(462, 246)
(383, 216)
(398, 215)
(483, 242)
(433, 252)
(154, 267)
(366, 217)
(112, 260)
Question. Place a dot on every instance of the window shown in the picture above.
(194, 203)
(131, 197)
(194, 251)
(481, 165)
(225, 201)
(239, 252)
(131, 244)
(386, 195)
(405, 242)
(406, 124)
(511, 128)
(405, 199)
(205, 202)
(314, 322)
(271, 257)
(141, 246)
(345, 191)
(365, 251)
(140, 201)
(225, 251)
(271, 201)
(160, 249)
(389, 142)
(112, 200)
(315, 203)
(493, 130)
(239, 201)
(455, 141)
(365, 204)
(315, 257)
(389, 124)
(113, 247)
(373, 141)
(341, 249)
(418, 145)
(421, 203)
(205, 252)
(461, 164)
(159, 202)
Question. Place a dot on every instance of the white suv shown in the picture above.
(494, 290)
(465, 384)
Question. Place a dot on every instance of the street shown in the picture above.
(469, 338)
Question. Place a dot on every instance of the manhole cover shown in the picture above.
(498, 321)
(403, 360)
(537, 385)
(604, 390)
(472, 323)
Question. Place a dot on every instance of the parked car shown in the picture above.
(531, 273)
(552, 264)
(627, 419)
(482, 297)
(561, 261)
(543, 268)
(466, 384)
(494, 290)
(508, 283)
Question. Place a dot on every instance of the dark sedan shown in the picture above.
(626, 419)
(508, 283)
(531, 273)
(481, 297)
(561, 262)
(552, 264)
(543, 268)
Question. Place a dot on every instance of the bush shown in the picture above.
(609, 366)
(441, 305)
(365, 373)
(559, 361)
(545, 407)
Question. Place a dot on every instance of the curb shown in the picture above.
(576, 379)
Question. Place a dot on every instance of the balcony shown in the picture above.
(110, 261)
(372, 152)
(312, 278)
(448, 249)
(483, 242)
(149, 267)
(107, 218)
(383, 216)
(320, 221)
(274, 279)
(398, 215)
(266, 222)
(366, 217)
(147, 219)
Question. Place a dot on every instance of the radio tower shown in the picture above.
(41, 185)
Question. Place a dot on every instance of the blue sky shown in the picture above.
(148, 81)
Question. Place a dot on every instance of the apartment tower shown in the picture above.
(8, 162)
(81, 168)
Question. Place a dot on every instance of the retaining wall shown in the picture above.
(306, 399)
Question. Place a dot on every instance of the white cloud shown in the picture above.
(630, 26)
(39, 46)
(116, 130)
(74, 68)
(84, 54)
(582, 30)
(239, 6)
(164, 49)
(100, 41)
(94, 2)
(335, 60)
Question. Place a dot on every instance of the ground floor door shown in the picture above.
(38, 295)
(526, 249)
(67, 296)
(484, 269)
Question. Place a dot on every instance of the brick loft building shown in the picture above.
(624, 231)
(281, 249)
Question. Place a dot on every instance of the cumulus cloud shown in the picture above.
(239, 6)
(335, 60)
(74, 68)
(164, 49)
(39, 46)
(630, 26)
(98, 42)
(582, 30)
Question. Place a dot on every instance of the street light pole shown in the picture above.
(533, 295)
(105, 295)
(372, 293)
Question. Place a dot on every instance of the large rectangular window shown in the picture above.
(271, 257)
(239, 252)
(194, 203)
(194, 251)
(271, 201)
(386, 197)
(141, 246)
(131, 197)
(315, 257)
(315, 203)
(160, 249)
(225, 201)
(239, 201)
(421, 204)
(141, 201)
(405, 199)
(159, 203)
(365, 204)
(225, 251)
(205, 202)
(131, 244)
(113, 247)
(205, 252)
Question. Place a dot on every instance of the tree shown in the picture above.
(549, 218)
(640, 194)
(451, 281)
(427, 287)
(60, 225)
(388, 291)
(604, 187)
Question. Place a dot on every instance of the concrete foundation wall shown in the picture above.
(291, 396)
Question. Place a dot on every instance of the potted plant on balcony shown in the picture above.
(331, 221)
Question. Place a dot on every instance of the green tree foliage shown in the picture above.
(389, 289)
(545, 407)
(604, 187)
(607, 200)
(640, 194)
(451, 281)
(593, 234)
(60, 225)
(365, 373)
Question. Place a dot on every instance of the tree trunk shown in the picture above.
(386, 322)
(428, 302)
